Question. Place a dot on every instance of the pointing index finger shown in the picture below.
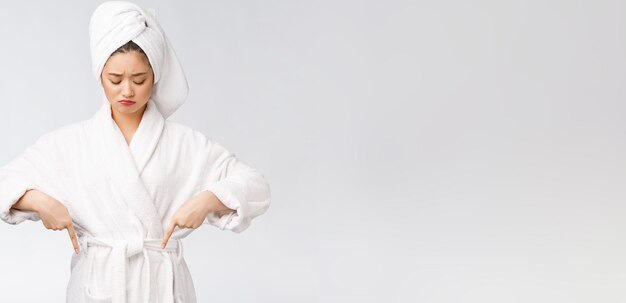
(168, 234)
(73, 237)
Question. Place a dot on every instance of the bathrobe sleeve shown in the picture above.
(25, 172)
(237, 185)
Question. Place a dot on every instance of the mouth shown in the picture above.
(126, 102)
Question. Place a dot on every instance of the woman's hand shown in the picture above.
(193, 212)
(53, 213)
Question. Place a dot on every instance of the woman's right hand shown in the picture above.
(53, 213)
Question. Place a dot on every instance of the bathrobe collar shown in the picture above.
(125, 163)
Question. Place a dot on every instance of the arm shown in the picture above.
(21, 199)
(13, 189)
(30, 201)
(232, 195)
(213, 204)
(238, 187)
(54, 214)
(17, 178)
(26, 181)
(194, 212)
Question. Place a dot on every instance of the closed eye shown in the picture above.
(116, 83)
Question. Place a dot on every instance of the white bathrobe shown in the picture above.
(122, 198)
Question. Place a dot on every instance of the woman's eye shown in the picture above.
(116, 83)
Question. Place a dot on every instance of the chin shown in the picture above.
(128, 109)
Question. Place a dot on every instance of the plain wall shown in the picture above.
(417, 151)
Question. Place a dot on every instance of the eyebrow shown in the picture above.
(133, 75)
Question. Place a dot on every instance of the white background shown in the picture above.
(417, 151)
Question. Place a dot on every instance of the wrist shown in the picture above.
(213, 202)
(39, 200)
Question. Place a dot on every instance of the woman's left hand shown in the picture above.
(193, 212)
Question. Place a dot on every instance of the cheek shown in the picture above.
(145, 90)
(108, 88)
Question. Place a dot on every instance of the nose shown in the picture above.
(127, 91)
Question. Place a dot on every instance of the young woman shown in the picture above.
(127, 184)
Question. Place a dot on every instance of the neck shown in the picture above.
(128, 123)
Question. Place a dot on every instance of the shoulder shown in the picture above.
(57, 143)
(64, 133)
(186, 136)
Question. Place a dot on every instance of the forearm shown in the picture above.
(30, 201)
(214, 203)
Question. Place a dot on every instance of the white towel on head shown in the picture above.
(113, 24)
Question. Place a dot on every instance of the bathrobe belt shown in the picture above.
(121, 250)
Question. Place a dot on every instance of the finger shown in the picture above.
(168, 234)
(73, 237)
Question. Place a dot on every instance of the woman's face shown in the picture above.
(127, 76)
